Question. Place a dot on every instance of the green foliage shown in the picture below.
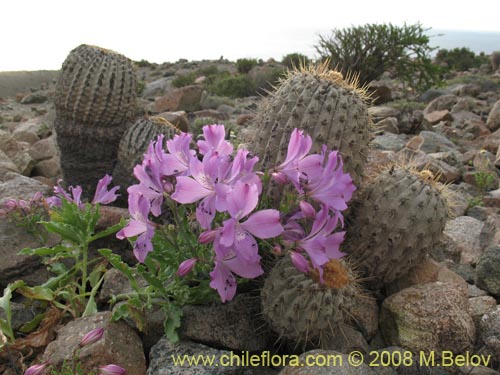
(245, 65)
(266, 78)
(77, 279)
(495, 60)
(67, 369)
(143, 64)
(476, 201)
(372, 49)
(233, 86)
(140, 87)
(6, 324)
(484, 180)
(184, 79)
(406, 105)
(295, 60)
(460, 59)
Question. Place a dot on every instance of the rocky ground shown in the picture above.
(453, 296)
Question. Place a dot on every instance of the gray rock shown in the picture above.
(119, 345)
(232, 325)
(442, 102)
(493, 122)
(464, 233)
(480, 306)
(489, 331)
(17, 186)
(43, 149)
(156, 88)
(389, 142)
(382, 112)
(434, 142)
(50, 168)
(24, 163)
(35, 98)
(488, 271)
(474, 291)
(25, 136)
(430, 317)
(6, 165)
(432, 94)
(161, 360)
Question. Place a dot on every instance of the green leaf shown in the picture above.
(172, 322)
(5, 325)
(33, 324)
(91, 307)
(45, 251)
(37, 292)
(116, 261)
(96, 274)
(113, 229)
(66, 231)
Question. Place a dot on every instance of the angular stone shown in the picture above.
(43, 149)
(382, 112)
(480, 306)
(440, 103)
(21, 187)
(6, 165)
(213, 114)
(25, 136)
(488, 271)
(434, 142)
(389, 124)
(433, 118)
(179, 119)
(430, 317)
(186, 98)
(24, 163)
(120, 345)
(232, 325)
(389, 142)
(464, 232)
(50, 168)
(493, 122)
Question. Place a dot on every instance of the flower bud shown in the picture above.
(207, 237)
(299, 262)
(37, 369)
(111, 370)
(92, 336)
(307, 209)
(279, 177)
(186, 267)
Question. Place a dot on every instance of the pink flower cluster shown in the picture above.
(224, 183)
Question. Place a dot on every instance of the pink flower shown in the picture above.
(111, 370)
(214, 141)
(37, 369)
(74, 195)
(138, 226)
(91, 337)
(102, 194)
(179, 155)
(186, 266)
(299, 262)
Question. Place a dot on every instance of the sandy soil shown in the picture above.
(12, 83)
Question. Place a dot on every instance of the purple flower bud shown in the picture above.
(186, 267)
(10, 204)
(299, 262)
(279, 177)
(207, 237)
(307, 209)
(111, 370)
(92, 336)
(37, 197)
(277, 250)
(37, 369)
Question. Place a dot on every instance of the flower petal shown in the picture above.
(264, 224)
(188, 190)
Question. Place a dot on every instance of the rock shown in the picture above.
(225, 108)
(492, 198)
(410, 121)
(245, 119)
(463, 117)
(11, 147)
(476, 127)
(164, 353)
(464, 233)
(179, 119)
(35, 98)
(488, 271)
(430, 317)
(34, 125)
(474, 291)
(50, 168)
(489, 330)
(43, 149)
(213, 114)
(434, 142)
(389, 124)
(119, 345)
(442, 102)
(157, 88)
(21, 187)
(480, 306)
(329, 362)
(493, 122)
(366, 314)
(232, 325)
(432, 94)
(382, 112)
(380, 92)
(389, 142)
(6, 165)
(25, 136)
(435, 117)
(427, 271)
(186, 98)
(24, 163)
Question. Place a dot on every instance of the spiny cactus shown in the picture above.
(134, 144)
(397, 219)
(95, 101)
(301, 309)
(328, 107)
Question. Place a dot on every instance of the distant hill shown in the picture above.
(12, 83)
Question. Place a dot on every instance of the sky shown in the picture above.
(39, 34)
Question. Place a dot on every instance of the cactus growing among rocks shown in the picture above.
(331, 109)
(134, 143)
(396, 221)
(95, 101)
(301, 309)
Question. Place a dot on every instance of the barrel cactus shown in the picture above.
(304, 311)
(331, 109)
(397, 219)
(95, 101)
(134, 143)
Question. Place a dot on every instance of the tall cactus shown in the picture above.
(331, 109)
(95, 101)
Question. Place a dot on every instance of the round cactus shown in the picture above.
(134, 144)
(301, 309)
(95, 101)
(331, 109)
(397, 219)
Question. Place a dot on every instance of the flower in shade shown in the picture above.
(299, 262)
(91, 337)
(102, 194)
(111, 370)
(37, 369)
(186, 266)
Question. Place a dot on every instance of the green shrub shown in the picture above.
(245, 65)
(184, 80)
(495, 60)
(373, 49)
(295, 60)
(233, 86)
(143, 64)
(266, 77)
(460, 59)
(208, 71)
